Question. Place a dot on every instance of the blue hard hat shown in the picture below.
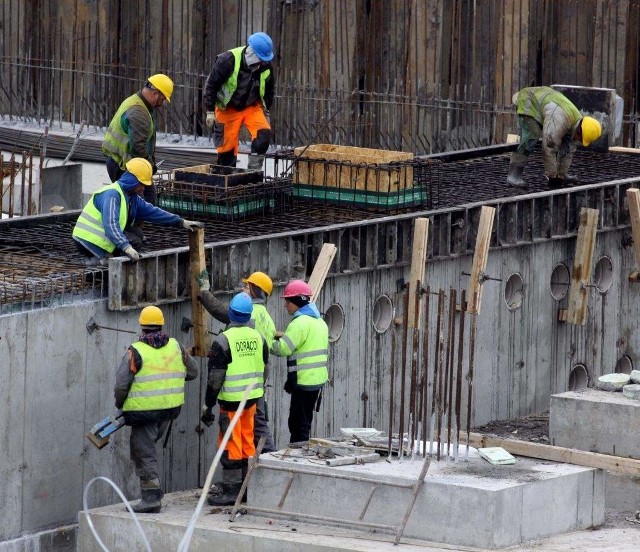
(241, 307)
(262, 45)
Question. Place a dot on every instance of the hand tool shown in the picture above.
(100, 432)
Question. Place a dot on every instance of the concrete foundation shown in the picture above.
(460, 504)
(605, 422)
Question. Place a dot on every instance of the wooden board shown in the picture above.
(418, 267)
(200, 315)
(581, 273)
(633, 198)
(321, 268)
(615, 464)
(480, 256)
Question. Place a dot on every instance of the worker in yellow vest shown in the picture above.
(149, 390)
(132, 130)
(237, 359)
(305, 343)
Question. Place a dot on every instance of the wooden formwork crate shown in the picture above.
(353, 168)
(217, 175)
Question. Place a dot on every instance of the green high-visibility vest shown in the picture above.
(159, 384)
(305, 344)
(116, 143)
(90, 226)
(229, 87)
(532, 101)
(246, 366)
(264, 323)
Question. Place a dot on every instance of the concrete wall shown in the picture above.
(58, 379)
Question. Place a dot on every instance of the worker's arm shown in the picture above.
(555, 129)
(150, 213)
(269, 90)
(190, 364)
(136, 122)
(286, 344)
(215, 307)
(129, 365)
(219, 360)
(265, 358)
(222, 70)
(108, 203)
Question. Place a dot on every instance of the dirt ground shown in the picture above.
(534, 428)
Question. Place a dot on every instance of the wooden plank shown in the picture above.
(200, 315)
(614, 464)
(585, 245)
(418, 267)
(483, 240)
(633, 197)
(321, 268)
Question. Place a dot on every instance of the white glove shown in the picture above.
(132, 253)
(211, 119)
(191, 225)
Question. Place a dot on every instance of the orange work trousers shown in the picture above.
(230, 120)
(241, 444)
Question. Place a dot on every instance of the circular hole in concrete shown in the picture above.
(578, 378)
(382, 314)
(513, 291)
(603, 274)
(560, 281)
(334, 317)
(624, 365)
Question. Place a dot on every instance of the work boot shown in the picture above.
(229, 497)
(227, 159)
(216, 489)
(255, 162)
(151, 500)
(571, 180)
(516, 166)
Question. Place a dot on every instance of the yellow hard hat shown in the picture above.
(151, 316)
(162, 83)
(141, 169)
(591, 130)
(261, 280)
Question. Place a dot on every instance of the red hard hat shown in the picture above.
(297, 287)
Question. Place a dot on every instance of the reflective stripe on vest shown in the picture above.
(246, 366)
(159, 384)
(309, 360)
(116, 142)
(229, 87)
(90, 226)
(263, 323)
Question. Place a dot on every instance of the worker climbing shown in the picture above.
(548, 114)
(106, 227)
(237, 359)
(239, 91)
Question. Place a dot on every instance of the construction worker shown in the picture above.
(105, 226)
(258, 286)
(149, 390)
(237, 358)
(305, 343)
(548, 114)
(132, 131)
(239, 90)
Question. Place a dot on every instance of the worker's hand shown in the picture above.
(191, 225)
(211, 119)
(207, 417)
(132, 253)
(278, 334)
(288, 387)
(203, 281)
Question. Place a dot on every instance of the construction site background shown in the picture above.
(421, 76)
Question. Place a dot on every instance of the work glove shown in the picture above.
(191, 225)
(211, 119)
(132, 253)
(207, 417)
(203, 281)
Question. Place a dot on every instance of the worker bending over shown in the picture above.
(237, 359)
(150, 391)
(105, 226)
(239, 91)
(132, 130)
(548, 114)
(305, 343)
(259, 287)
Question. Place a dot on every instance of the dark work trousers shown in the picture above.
(261, 427)
(301, 414)
(143, 448)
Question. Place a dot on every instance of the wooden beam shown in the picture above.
(418, 267)
(480, 256)
(633, 198)
(200, 315)
(614, 464)
(321, 269)
(580, 275)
